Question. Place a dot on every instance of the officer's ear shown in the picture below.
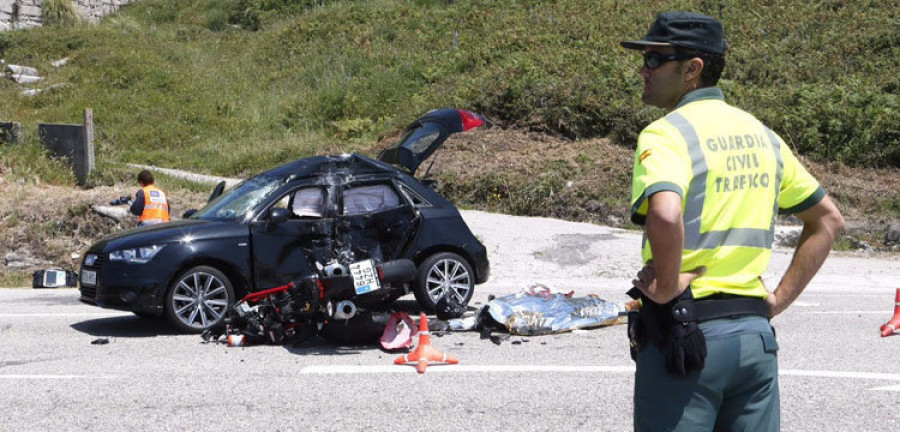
(693, 68)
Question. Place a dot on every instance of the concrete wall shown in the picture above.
(15, 14)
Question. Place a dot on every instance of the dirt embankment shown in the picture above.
(44, 226)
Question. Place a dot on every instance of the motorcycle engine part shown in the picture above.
(338, 287)
(242, 309)
(344, 310)
(336, 269)
(364, 328)
(275, 333)
(346, 255)
(305, 298)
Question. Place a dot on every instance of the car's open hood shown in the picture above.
(426, 134)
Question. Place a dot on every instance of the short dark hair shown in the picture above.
(145, 177)
(713, 65)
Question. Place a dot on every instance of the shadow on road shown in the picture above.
(126, 326)
(318, 345)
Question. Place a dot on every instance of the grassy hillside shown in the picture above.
(229, 87)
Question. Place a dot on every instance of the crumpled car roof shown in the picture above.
(314, 166)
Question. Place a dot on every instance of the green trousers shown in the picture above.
(737, 390)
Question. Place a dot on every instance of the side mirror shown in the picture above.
(279, 215)
(217, 191)
(188, 213)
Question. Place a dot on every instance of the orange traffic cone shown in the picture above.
(894, 324)
(425, 354)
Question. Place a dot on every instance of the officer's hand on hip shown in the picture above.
(646, 278)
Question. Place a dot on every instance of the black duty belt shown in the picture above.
(719, 306)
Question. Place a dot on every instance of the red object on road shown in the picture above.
(894, 324)
(399, 331)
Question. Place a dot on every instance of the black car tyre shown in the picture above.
(199, 299)
(445, 273)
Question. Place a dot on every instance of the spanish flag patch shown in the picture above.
(644, 155)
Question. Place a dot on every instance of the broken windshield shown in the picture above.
(239, 202)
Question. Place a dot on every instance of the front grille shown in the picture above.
(101, 259)
(90, 292)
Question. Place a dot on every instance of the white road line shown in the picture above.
(349, 369)
(357, 369)
(50, 377)
(440, 368)
(895, 388)
(849, 312)
(60, 315)
(840, 374)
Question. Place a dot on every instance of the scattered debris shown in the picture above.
(54, 278)
(399, 332)
(333, 304)
(539, 311)
(449, 307)
(497, 339)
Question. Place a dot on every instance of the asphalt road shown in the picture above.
(837, 373)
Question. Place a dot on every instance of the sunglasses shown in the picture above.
(653, 60)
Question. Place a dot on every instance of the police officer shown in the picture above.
(150, 203)
(708, 182)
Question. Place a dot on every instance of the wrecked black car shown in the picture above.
(320, 217)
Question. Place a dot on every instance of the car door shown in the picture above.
(284, 250)
(426, 134)
(376, 221)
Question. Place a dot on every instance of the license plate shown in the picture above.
(88, 277)
(365, 279)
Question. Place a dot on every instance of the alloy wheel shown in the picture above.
(200, 299)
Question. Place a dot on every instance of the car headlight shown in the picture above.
(138, 255)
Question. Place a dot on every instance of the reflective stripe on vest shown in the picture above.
(693, 207)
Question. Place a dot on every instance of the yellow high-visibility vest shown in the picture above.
(734, 176)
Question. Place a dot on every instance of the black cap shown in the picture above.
(684, 29)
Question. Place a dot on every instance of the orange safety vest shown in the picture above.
(156, 206)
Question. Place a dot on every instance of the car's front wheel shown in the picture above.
(199, 299)
(444, 274)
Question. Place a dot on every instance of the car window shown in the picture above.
(422, 138)
(369, 198)
(416, 199)
(238, 202)
(308, 202)
(283, 203)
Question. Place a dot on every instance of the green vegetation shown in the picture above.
(60, 13)
(230, 87)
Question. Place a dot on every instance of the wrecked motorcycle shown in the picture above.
(340, 302)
